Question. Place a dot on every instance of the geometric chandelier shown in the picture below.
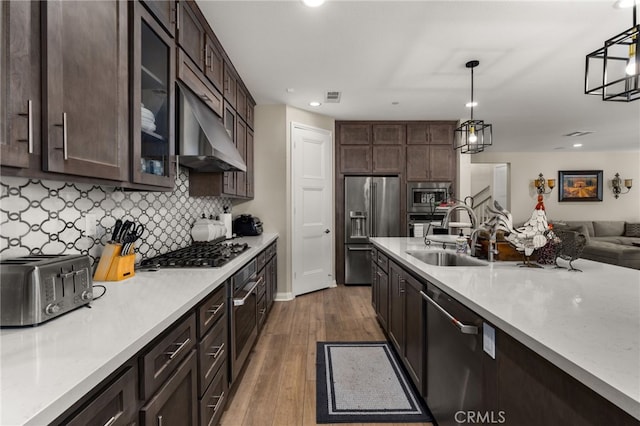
(473, 135)
(613, 71)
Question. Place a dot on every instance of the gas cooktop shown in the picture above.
(198, 255)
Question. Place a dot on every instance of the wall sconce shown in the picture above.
(540, 184)
(616, 184)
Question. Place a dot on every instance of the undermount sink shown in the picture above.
(443, 258)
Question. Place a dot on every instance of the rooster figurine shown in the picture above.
(526, 238)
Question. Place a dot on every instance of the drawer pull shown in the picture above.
(159, 420)
(215, 309)
(217, 352)
(180, 347)
(218, 402)
(111, 421)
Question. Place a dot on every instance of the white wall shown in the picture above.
(272, 178)
(525, 167)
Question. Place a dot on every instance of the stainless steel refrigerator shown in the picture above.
(372, 209)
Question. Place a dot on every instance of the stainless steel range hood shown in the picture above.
(204, 144)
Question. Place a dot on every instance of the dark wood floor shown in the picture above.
(278, 385)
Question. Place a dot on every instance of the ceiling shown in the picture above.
(529, 84)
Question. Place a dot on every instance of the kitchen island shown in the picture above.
(585, 323)
(45, 369)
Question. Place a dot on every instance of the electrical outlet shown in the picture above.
(90, 228)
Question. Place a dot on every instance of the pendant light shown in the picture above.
(613, 71)
(473, 135)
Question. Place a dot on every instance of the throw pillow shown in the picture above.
(632, 229)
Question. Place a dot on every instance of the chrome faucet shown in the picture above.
(461, 206)
(492, 248)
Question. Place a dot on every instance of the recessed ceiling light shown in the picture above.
(395, 103)
(315, 104)
(471, 104)
(313, 3)
(290, 90)
(577, 145)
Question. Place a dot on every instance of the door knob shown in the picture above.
(326, 231)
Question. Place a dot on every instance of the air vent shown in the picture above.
(577, 134)
(332, 97)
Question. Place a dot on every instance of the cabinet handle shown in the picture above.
(217, 352)
(181, 346)
(29, 115)
(464, 328)
(218, 402)
(215, 309)
(177, 17)
(205, 97)
(64, 136)
(111, 421)
(159, 420)
(206, 58)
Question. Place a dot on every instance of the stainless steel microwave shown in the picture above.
(426, 196)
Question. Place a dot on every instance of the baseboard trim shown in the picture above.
(284, 297)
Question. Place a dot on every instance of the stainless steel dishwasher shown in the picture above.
(454, 358)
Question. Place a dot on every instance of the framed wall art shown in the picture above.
(580, 185)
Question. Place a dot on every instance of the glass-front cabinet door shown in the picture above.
(153, 101)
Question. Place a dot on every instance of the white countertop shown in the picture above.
(587, 323)
(46, 369)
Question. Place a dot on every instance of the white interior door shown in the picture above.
(312, 233)
(500, 185)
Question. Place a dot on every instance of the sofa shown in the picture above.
(609, 241)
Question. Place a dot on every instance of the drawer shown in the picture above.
(197, 82)
(213, 402)
(212, 355)
(383, 261)
(115, 405)
(262, 259)
(212, 309)
(163, 358)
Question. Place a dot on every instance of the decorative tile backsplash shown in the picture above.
(49, 217)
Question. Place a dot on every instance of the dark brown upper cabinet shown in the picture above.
(389, 134)
(153, 101)
(241, 101)
(430, 133)
(354, 134)
(241, 145)
(165, 13)
(191, 32)
(249, 157)
(213, 62)
(230, 85)
(86, 89)
(250, 110)
(20, 84)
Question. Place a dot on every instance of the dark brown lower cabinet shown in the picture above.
(116, 405)
(414, 349)
(532, 391)
(213, 401)
(396, 306)
(381, 288)
(176, 403)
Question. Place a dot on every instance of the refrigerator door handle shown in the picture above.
(374, 202)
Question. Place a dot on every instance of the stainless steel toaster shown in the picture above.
(35, 289)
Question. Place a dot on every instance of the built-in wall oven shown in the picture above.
(243, 329)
